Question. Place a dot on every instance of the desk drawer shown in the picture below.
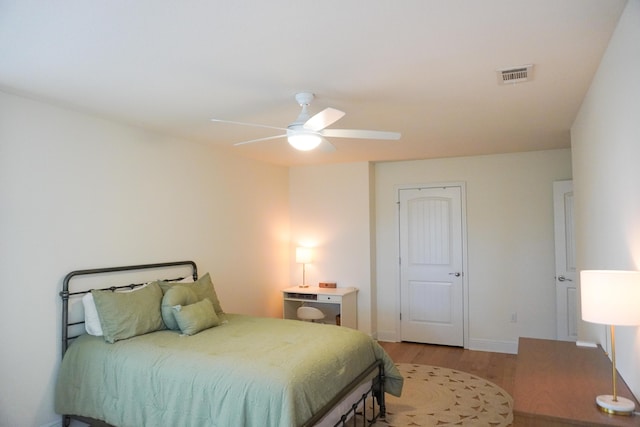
(330, 298)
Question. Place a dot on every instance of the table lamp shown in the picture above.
(303, 256)
(611, 297)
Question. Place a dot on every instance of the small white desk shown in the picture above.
(332, 301)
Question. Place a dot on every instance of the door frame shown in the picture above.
(465, 271)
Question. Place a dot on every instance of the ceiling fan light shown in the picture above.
(304, 141)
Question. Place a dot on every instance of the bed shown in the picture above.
(240, 371)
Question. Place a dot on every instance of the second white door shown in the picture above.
(566, 277)
(431, 265)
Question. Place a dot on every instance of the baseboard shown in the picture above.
(74, 423)
(495, 346)
(387, 336)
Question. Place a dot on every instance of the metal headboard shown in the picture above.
(65, 294)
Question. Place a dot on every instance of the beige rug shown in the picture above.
(434, 396)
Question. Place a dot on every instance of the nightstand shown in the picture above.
(338, 304)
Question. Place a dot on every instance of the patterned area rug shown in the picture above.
(434, 396)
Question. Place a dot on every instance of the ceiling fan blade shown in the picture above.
(363, 134)
(326, 146)
(324, 118)
(247, 124)
(260, 139)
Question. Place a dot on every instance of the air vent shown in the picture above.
(520, 74)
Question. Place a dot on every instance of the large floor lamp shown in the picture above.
(611, 297)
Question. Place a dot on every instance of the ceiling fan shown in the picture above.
(308, 132)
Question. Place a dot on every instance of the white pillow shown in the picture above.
(91, 319)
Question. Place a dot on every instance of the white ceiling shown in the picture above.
(425, 68)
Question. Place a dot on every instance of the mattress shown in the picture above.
(249, 371)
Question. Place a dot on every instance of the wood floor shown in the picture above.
(499, 368)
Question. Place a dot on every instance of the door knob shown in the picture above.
(454, 274)
(562, 279)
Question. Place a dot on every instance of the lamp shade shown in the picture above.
(303, 255)
(610, 297)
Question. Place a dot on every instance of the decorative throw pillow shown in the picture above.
(196, 317)
(176, 295)
(203, 288)
(128, 314)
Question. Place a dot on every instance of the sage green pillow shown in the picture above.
(176, 295)
(196, 317)
(128, 314)
(203, 288)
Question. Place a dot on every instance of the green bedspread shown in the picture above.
(247, 372)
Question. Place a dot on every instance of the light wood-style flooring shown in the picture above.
(499, 368)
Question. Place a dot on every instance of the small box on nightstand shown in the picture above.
(326, 285)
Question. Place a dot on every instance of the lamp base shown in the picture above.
(621, 406)
(303, 286)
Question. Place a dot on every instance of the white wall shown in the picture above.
(331, 212)
(605, 140)
(81, 192)
(510, 242)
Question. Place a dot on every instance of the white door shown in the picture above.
(431, 273)
(566, 277)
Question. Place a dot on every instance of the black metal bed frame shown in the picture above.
(375, 392)
(65, 294)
